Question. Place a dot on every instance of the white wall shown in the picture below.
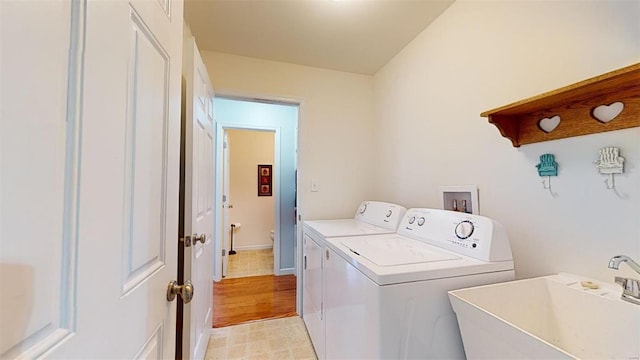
(480, 55)
(335, 133)
(247, 149)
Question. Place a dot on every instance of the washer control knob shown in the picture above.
(421, 221)
(464, 229)
(389, 213)
(412, 220)
(363, 208)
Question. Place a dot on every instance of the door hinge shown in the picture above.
(305, 262)
(224, 252)
(225, 145)
(224, 198)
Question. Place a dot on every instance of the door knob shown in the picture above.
(185, 291)
(202, 238)
(193, 239)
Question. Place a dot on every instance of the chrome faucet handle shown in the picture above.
(630, 289)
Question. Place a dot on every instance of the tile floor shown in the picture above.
(279, 339)
(250, 263)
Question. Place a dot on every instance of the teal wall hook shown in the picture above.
(548, 167)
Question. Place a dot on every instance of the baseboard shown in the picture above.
(253, 247)
(287, 271)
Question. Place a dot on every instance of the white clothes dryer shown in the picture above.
(372, 217)
(387, 294)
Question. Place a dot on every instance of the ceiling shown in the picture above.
(357, 36)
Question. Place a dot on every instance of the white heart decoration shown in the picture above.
(549, 124)
(606, 113)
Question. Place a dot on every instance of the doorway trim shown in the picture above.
(300, 197)
(221, 126)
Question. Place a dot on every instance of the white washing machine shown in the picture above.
(372, 217)
(387, 294)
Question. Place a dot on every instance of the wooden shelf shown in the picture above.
(519, 122)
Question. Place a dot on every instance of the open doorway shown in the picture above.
(248, 169)
(256, 156)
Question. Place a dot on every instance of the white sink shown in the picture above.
(550, 317)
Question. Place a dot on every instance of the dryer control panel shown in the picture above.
(472, 235)
(381, 214)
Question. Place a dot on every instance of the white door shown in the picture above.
(89, 140)
(226, 205)
(198, 193)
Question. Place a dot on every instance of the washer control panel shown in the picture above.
(472, 235)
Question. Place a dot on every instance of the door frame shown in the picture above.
(220, 127)
(193, 318)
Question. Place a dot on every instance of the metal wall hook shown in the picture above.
(546, 184)
(611, 184)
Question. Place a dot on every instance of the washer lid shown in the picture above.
(396, 250)
(384, 266)
(345, 227)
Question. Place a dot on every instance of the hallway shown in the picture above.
(240, 300)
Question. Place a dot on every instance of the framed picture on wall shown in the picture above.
(264, 180)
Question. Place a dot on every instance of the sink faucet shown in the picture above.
(630, 287)
(616, 260)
